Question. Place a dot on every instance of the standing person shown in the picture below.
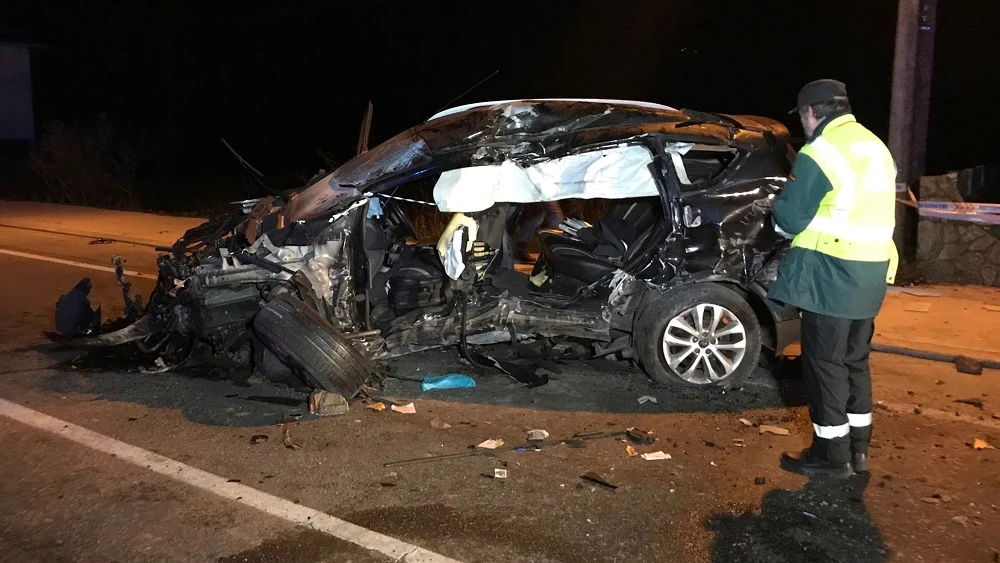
(839, 211)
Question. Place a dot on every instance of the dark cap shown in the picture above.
(820, 91)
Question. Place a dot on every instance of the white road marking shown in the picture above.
(131, 273)
(236, 492)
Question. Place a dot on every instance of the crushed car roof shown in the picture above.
(573, 122)
(459, 109)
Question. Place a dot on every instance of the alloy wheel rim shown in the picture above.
(704, 344)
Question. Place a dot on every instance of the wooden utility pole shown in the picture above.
(912, 71)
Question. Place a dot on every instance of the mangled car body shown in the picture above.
(324, 280)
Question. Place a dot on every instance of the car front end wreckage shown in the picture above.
(318, 285)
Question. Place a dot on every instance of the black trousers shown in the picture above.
(838, 382)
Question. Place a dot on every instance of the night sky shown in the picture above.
(282, 81)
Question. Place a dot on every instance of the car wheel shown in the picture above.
(314, 350)
(699, 335)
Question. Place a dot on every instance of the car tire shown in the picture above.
(720, 355)
(311, 347)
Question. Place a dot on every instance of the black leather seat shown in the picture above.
(597, 252)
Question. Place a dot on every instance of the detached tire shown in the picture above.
(314, 350)
(698, 335)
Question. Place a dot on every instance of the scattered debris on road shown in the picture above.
(499, 473)
(537, 435)
(258, 439)
(100, 240)
(738, 442)
(490, 444)
(917, 307)
(746, 422)
(631, 451)
(964, 364)
(647, 399)
(978, 403)
(930, 500)
(450, 381)
(979, 444)
(439, 424)
(968, 366)
(655, 456)
(961, 520)
(576, 441)
(640, 437)
(377, 407)
(992, 308)
(760, 480)
(408, 408)
(776, 430)
(328, 403)
(286, 437)
(922, 292)
(595, 478)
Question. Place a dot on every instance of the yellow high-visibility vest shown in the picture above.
(856, 218)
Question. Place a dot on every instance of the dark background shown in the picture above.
(286, 83)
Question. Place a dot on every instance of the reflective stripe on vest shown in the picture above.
(856, 218)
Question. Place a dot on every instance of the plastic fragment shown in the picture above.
(440, 424)
(647, 399)
(450, 381)
(408, 408)
(286, 437)
(537, 435)
(490, 444)
(325, 403)
(654, 456)
(776, 430)
(378, 407)
(631, 451)
(979, 444)
(917, 307)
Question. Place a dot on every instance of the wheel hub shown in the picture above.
(704, 344)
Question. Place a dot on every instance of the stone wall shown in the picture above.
(955, 251)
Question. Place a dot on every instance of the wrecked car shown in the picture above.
(318, 283)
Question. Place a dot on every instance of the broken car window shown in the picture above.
(703, 163)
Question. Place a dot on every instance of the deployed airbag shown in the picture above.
(615, 173)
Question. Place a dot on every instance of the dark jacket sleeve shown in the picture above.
(799, 200)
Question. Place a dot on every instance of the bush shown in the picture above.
(86, 165)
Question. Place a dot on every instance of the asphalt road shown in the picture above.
(62, 500)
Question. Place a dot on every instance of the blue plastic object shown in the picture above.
(374, 207)
(450, 381)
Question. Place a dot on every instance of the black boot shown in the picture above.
(859, 462)
(809, 463)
